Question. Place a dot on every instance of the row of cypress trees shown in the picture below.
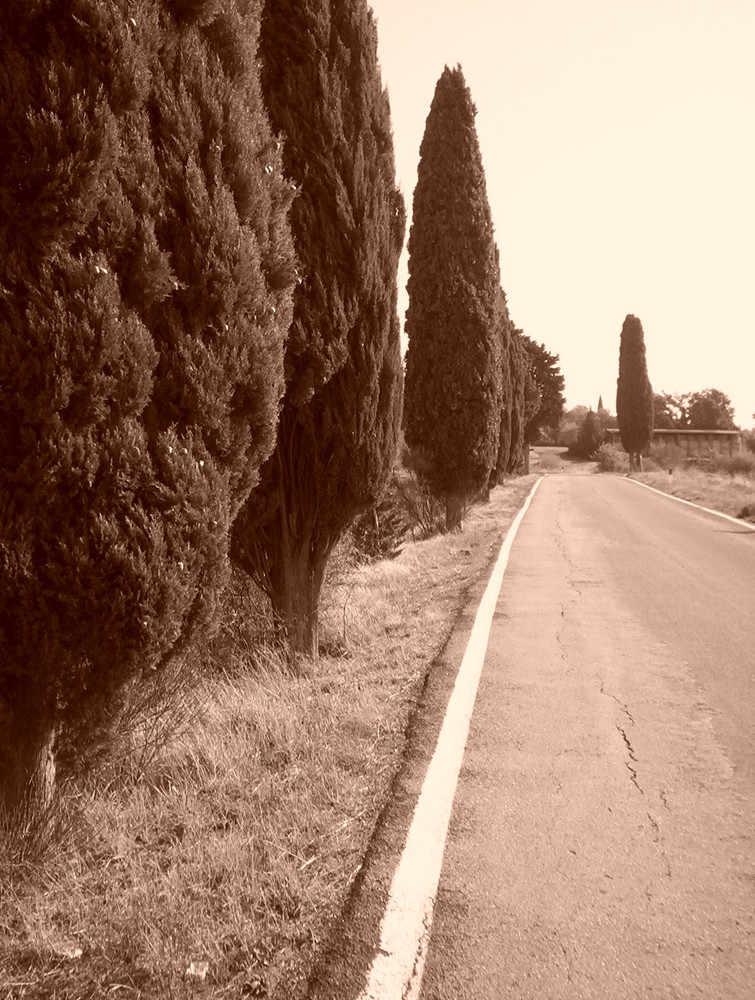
(471, 385)
(200, 356)
(189, 367)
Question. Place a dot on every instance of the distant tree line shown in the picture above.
(200, 360)
(707, 410)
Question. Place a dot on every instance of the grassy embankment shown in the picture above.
(232, 822)
(723, 484)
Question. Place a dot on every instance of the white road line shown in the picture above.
(396, 972)
(717, 513)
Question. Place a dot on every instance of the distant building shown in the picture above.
(694, 444)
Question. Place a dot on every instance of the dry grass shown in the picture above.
(235, 842)
(718, 491)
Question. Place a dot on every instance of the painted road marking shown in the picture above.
(717, 513)
(396, 971)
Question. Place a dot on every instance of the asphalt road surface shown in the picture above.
(602, 840)
(602, 843)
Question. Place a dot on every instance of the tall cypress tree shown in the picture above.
(522, 391)
(507, 375)
(452, 398)
(142, 260)
(634, 393)
(341, 412)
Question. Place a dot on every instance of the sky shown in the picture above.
(618, 141)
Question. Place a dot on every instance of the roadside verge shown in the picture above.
(689, 503)
(378, 949)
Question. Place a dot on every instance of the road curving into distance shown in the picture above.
(602, 838)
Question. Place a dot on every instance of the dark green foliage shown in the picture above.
(589, 436)
(452, 406)
(507, 391)
(522, 388)
(341, 413)
(668, 411)
(144, 251)
(707, 410)
(634, 394)
(550, 386)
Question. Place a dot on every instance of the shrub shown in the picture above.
(589, 437)
(743, 465)
(424, 510)
(549, 461)
(668, 456)
(612, 459)
(380, 532)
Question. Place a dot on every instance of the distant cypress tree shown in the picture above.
(634, 393)
(144, 251)
(452, 399)
(341, 412)
(590, 436)
(525, 401)
(507, 391)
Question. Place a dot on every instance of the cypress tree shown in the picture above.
(522, 391)
(340, 418)
(452, 396)
(634, 393)
(590, 436)
(144, 251)
(507, 391)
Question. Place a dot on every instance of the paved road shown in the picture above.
(602, 843)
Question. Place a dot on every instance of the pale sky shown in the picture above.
(618, 140)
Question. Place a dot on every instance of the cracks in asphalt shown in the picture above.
(562, 645)
(630, 764)
(657, 840)
(656, 828)
(572, 568)
(632, 759)
(568, 961)
(622, 705)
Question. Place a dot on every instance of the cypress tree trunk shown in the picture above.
(455, 504)
(27, 763)
(295, 589)
(296, 559)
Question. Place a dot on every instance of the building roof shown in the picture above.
(673, 430)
